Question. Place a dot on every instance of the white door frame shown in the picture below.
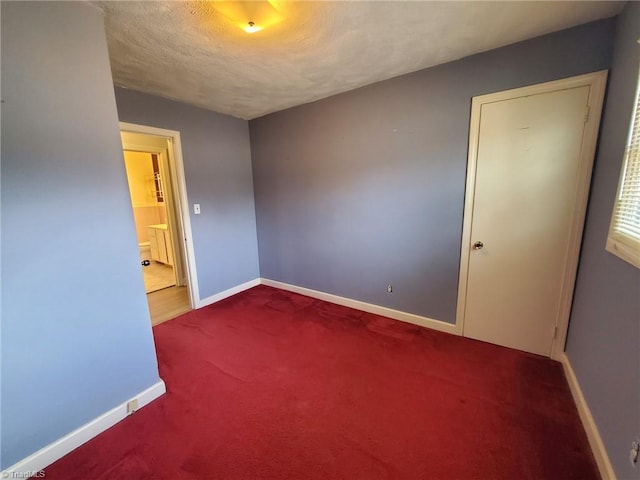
(179, 187)
(596, 82)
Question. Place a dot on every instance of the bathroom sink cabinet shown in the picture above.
(160, 244)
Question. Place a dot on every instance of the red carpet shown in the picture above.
(273, 385)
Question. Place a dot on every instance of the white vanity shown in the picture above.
(160, 243)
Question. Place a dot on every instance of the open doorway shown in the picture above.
(156, 185)
(149, 201)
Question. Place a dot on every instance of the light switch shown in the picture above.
(196, 208)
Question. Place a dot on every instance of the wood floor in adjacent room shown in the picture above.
(168, 303)
(158, 276)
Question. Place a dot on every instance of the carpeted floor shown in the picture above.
(273, 385)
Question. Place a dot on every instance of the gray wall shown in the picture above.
(366, 188)
(604, 334)
(76, 334)
(217, 163)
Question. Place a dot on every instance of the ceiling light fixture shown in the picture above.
(249, 16)
(252, 28)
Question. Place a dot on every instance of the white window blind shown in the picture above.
(624, 233)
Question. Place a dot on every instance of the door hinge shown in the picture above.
(555, 331)
(586, 115)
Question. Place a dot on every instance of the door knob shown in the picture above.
(478, 246)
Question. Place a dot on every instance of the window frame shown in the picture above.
(623, 245)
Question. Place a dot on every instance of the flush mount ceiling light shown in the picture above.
(251, 16)
(252, 28)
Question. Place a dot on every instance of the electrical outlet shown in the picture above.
(132, 405)
(633, 454)
(389, 289)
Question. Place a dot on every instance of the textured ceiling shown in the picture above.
(197, 52)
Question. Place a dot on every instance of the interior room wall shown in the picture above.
(76, 334)
(217, 164)
(146, 208)
(365, 189)
(352, 192)
(604, 334)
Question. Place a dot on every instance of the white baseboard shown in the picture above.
(58, 449)
(595, 441)
(227, 293)
(366, 307)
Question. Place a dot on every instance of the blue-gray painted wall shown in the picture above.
(345, 205)
(366, 188)
(217, 164)
(604, 333)
(76, 334)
